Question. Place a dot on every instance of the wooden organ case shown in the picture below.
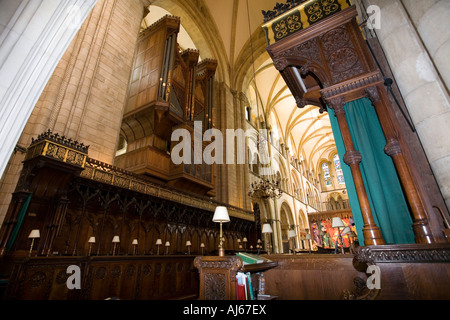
(169, 89)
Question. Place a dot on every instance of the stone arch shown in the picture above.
(287, 223)
(203, 31)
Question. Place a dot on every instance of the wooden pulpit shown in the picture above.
(217, 276)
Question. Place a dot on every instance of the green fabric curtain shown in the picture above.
(387, 201)
(20, 217)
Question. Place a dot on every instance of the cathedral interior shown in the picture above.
(315, 127)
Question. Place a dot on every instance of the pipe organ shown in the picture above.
(169, 89)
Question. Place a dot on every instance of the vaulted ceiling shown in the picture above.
(221, 30)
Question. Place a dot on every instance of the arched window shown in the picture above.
(339, 174)
(248, 113)
(326, 174)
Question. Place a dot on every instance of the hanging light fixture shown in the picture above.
(265, 189)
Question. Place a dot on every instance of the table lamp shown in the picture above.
(221, 216)
(202, 245)
(135, 243)
(34, 234)
(158, 243)
(115, 240)
(167, 247)
(188, 245)
(91, 242)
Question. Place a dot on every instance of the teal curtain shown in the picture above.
(20, 217)
(386, 198)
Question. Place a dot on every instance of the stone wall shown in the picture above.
(84, 97)
(415, 42)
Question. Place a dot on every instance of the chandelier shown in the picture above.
(265, 189)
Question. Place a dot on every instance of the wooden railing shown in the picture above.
(105, 173)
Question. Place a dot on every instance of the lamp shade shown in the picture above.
(116, 239)
(346, 230)
(266, 228)
(245, 239)
(202, 245)
(91, 240)
(135, 241)
(221, 214)
(291, 234)
(34, 234)
(159, 242)
(167, 244)
(337, 223)
(188, 243)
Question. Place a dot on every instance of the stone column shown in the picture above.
(418, 78)
(431, 21)
(33, 37)
(82, 79)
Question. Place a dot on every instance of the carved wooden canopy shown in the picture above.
(322, 57)
(321, 53)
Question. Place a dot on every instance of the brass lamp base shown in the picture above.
(221, 252)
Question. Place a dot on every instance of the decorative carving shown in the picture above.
(215, 286)
(315, 12)
(361, 292)
(336, 103)
(158, 268)
(306, 50)
(131, 269)
(287, 26)
(403, 253)
(108, 174)
(341, 55)
(100, 273)
(37, 279)
(217, 276)
(357, 83)
(372, 94)
(116, 272)
(61, 140)
(352, 157)
(281, 8)
(147, 270)
(61, 277)
(47, 277)
(392, 148)
(59, 148)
